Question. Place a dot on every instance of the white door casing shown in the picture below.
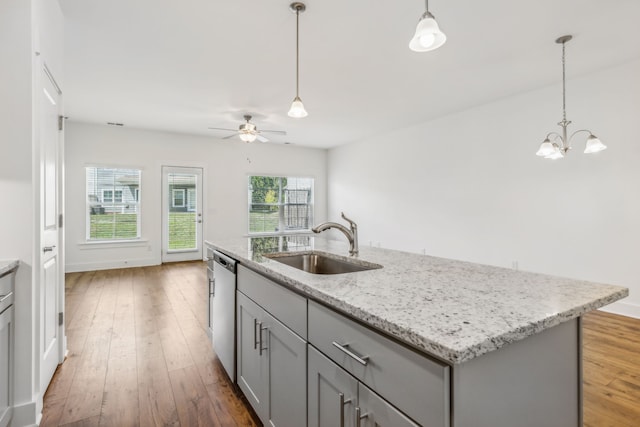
(49, 292)
(182, 201)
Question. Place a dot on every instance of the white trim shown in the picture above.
(623, 309)
(109, 265)
(106, 244)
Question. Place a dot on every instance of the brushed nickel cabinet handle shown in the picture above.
(363, 360)
(261, 348)
(4, 297)
(359, 417)
(342, 403)
(255, 334)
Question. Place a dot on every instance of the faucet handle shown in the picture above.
(351, 222)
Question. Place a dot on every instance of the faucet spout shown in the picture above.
(351, 233)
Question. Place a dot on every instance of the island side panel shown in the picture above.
(536, 382)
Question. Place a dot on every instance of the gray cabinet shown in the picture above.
(272, 366)
(6, 346)
(337, 399)
(332, 393)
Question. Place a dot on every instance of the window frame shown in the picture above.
(175, 191)
(281, 205)
(116, 204)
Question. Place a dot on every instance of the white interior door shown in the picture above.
(181, 214)
(49, 291)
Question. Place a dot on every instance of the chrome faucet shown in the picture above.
(352, 233)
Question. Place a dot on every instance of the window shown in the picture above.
(280, 204)
(177, 198)
(191, 199)
(113, 207)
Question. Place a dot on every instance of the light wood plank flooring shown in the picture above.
(139, 355)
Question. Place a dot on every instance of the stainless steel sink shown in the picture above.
(321, 263)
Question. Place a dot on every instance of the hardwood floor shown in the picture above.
(139, 355)
(611, 366)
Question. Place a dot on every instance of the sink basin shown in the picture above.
(321, 263)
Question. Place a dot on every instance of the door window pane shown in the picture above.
(182, 212)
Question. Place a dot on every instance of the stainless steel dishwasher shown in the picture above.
(223, 319)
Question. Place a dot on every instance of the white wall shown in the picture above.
(468, 186)
(226, 167)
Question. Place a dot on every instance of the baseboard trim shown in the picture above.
(25, 415)
(624, 309)
(109, 265)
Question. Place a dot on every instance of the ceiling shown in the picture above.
(183, 66)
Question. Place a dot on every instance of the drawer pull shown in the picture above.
(359, 417)
(342, 403)
(363, 360)
(260, 347)
(255, 334)
(4, 297)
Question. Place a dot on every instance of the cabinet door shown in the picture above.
(6, 360)
(377, 412)
(251, 367)
(286, 356)
(332, 393)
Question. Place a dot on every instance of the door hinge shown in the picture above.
(60, 318)
(60, 122)
(60, 221)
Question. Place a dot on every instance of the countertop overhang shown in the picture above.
(452, 310)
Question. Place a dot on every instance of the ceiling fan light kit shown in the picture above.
(428, 35)
(561, 144)
(297, 109)
(248, 132)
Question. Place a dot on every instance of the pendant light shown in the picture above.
(561, 144)
(428, 35)
(297, 108)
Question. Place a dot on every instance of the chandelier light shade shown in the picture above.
(297, 109)
(428, 35)
(248, 137)
(556, 145)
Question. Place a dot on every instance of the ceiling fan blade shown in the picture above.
(279, 132)
(230, 136)
(261, 138)
(225, 129)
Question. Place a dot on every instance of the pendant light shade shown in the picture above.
(594, 145)
(297, 109)
(546, 148)
(428, 35)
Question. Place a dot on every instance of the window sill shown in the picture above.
(282, 233)
(108, 244)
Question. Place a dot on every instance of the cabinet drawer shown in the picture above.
(283, 304)
(415, 384)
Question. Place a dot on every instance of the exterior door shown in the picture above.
(181, 214)
(50, 270)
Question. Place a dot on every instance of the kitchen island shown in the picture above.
(504, 345)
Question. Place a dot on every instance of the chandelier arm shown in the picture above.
(556, 136)
(578, 131)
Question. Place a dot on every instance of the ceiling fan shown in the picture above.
(248, 132)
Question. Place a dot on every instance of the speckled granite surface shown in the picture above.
(451, 309)
(8, 265)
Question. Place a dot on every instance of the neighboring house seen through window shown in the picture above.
(113, 204)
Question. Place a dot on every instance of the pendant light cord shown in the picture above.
(298, 52)
(564, 97)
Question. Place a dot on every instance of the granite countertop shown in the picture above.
(7, 265)
(453, 310)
